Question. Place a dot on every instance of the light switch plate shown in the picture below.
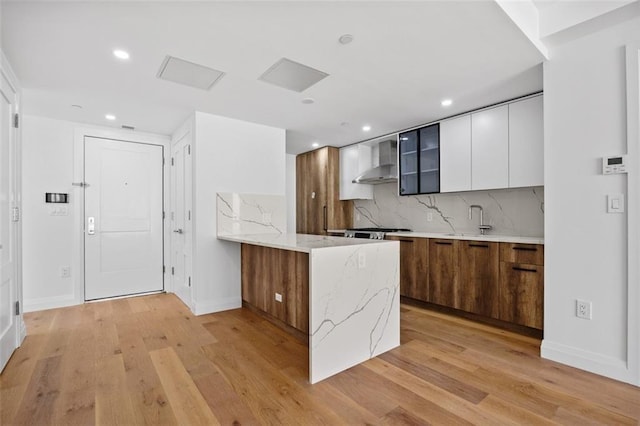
(615, 203)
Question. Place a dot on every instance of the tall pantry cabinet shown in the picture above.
(318, 205)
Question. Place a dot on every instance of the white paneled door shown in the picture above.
(123, 218)
(8, 229)
(181, 219)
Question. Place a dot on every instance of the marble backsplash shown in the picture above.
(516, 212)
(241, 214)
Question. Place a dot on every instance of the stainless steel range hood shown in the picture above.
(387, 169)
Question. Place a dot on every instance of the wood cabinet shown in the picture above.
(521, 288)
(490, 148)
(443, 271)
(318, 205)
(355, 160)
(479, 276)
(266, 272)
(526, 143)
(420, 161)
(497, 280)
(455, 154)
(414, 267)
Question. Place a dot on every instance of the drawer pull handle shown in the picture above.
(525, 248)
(479, 245)
(518, 268)
(443, 243)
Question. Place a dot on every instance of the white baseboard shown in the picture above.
(219, 305)
(603, 365)
(31, 305)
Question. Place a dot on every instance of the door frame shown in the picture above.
(183, 134)
(632, 54)
(15, 152)
(77, 196)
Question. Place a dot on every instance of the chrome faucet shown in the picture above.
(482, 227)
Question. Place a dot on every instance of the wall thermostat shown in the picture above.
(614, 164)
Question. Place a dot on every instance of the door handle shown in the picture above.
(325, 219)
(178, 231)
(91, 225)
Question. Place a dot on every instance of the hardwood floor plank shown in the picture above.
(147, 393)
(461, 407)
(113, 404)
(451, 385)
(76, 404)
(37, 404)
(224, 402)
(187, 402)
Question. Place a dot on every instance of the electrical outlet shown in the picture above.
(583, 309)
(278, 297)
(429, 216)
(65, 272)
(362, 260)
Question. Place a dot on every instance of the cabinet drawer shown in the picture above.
(521, 294)
(532, 254)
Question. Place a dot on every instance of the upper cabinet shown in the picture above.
(499, 147)
(355, 160)
(420, 161)
(490, 148)
(455, 154)
(318, 207)
(526, 143)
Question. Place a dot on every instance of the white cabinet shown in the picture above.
(526, 143)
(355, 160)
(455, 154)
(490, 148)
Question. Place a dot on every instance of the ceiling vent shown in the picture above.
(291, 75)
(188, 73)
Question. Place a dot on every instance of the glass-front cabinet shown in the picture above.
(420, 161)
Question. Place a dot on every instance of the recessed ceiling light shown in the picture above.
(315, 144)
(446, 102)
(366, 128)
(308, 100)
(345, 39)
(121, 54)
(110, 117)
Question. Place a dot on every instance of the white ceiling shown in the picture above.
(405, 58)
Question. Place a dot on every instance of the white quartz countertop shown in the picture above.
(298, 242)
(474, 237)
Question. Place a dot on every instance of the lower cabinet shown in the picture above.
(267, 272)
(479, 275)
(522, 284)
(414, 261)
(443, 272)
(497, 280)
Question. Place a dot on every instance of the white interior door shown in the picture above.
(181, 219)
(123, 218)
(8, 243)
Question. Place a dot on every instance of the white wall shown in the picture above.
(586, 248)
(50, 242)
(230, 156)
(291, 193)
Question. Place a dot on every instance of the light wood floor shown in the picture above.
(147, 360)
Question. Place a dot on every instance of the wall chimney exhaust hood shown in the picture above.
(387, 170)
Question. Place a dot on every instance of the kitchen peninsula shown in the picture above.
(342, 293)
